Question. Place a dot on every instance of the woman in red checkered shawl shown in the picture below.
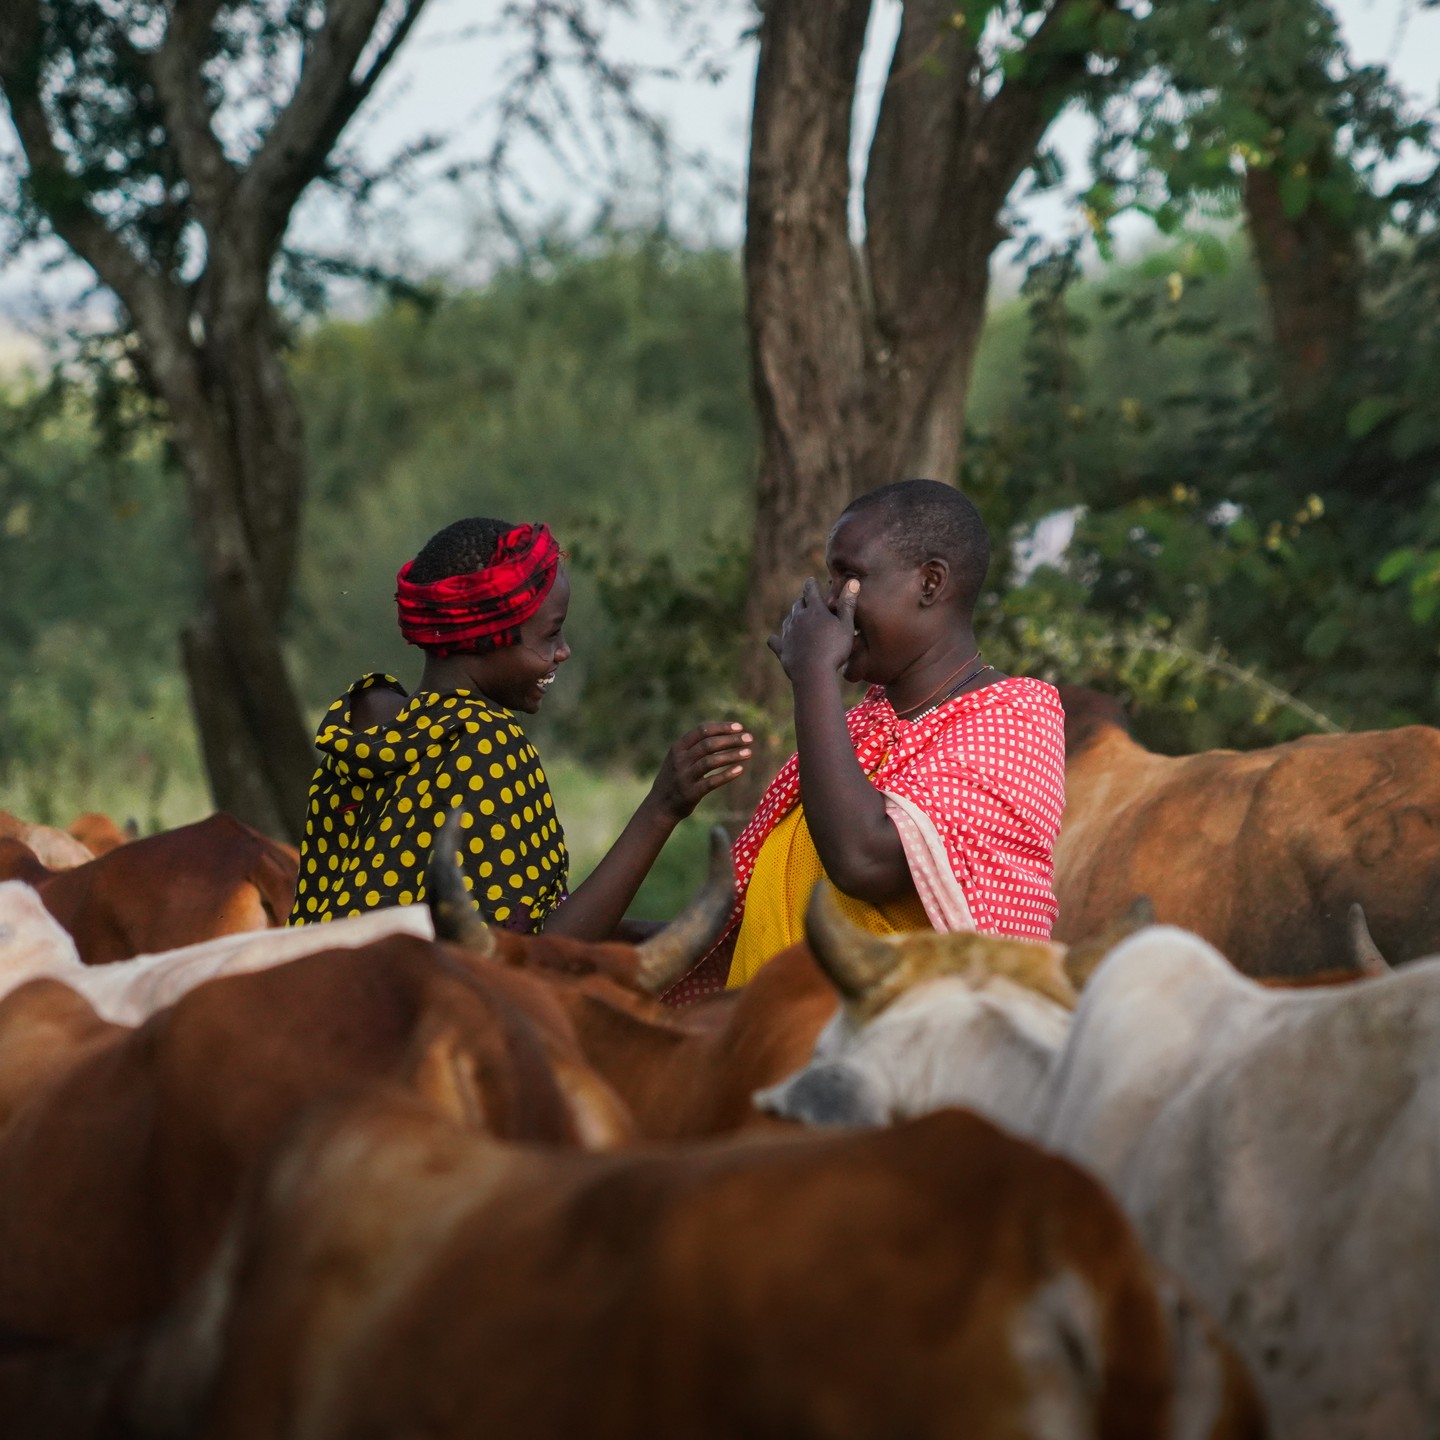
(486, 600)
(936, 801)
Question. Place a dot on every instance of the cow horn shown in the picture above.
(455, 914)
(1363, 950)
(1083, 958)
(669, 953)
(854, 960)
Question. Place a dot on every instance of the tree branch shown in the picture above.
(57, 192)
(1011, 124)
(325, 99)
(175, 70)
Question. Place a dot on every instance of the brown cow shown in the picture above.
(99, 834)
(1261, 852)
(212, 878)
(122, 1151)
(52, 848)
(397, 1276)
(682, 1073)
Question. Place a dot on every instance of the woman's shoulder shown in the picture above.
(1016, 702)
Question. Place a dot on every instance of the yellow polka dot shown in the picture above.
(497, 771)
(469, 883)
(443, 782)
(515, 882)
(353, 912)
(311, 904)
(309, 827)
(497, 831)
(342, 744)
(539, 777)
(433, 752)
(360, 877)
(485, 868)
(372, 897)
(422, 839)
(475, 782)
(406, 898)
(483, 746)
(364, 773)
(507, 856)
(493, 892)
(390, 878)
(531, 872)
(435, 731)
(369, 842)
(487, 807)
(392, 736)
(438, 819)
(342, 898)
(422, 788)
(476, 845)
(405, 805)
(502, 912)
(501, 738)
(511, 761)
(463, 762)
(411, 756)
(362, 750)
(310, 865)
(386, 823)
(507, 795)
(321, 846)
(407, 857)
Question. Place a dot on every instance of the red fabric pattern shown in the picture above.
(989, 770)
(450, 616)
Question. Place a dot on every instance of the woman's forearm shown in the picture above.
(856, 840)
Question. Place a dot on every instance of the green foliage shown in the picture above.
(98, 573)
(1239, 589)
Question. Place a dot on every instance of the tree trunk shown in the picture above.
(1310, 266)
(861, 360)
(237, 432)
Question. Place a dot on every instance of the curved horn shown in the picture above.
(455, 914)
(1364, 952)
(667, 955)
(853, 960)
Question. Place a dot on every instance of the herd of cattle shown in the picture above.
(405, 1176)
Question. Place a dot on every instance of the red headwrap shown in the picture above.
(450, 616)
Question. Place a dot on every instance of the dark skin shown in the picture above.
(881, 622)
(517, 677)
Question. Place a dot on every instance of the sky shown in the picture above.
(451, 75)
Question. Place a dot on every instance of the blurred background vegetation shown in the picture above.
(1243, 592)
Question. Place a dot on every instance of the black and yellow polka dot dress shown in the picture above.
(380, 796)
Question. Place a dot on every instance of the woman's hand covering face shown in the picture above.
(813, 635)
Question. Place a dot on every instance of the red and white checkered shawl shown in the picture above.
(987, 769)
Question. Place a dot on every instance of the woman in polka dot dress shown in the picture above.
(487, 601)
(936, 801)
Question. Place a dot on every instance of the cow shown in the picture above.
(927, 1020)
(122, 1150)
(215, 877)
(99, 834)
(127, 992)
(682, 1074)
(54, 849)
(1261, 852)
(1278, 1149)
(396, 1275)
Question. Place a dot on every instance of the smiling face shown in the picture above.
(893, 622)
(517, 676)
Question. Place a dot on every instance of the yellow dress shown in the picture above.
(786, 870)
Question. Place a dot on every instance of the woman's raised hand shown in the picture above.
(711, 755)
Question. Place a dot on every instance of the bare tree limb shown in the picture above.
(325, 98)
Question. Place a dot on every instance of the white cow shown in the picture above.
(1280, 1151)
(928, 1021)
(126, 992)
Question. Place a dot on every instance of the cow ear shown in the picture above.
(444, 1076)
(830, 1093)
(602, 1121)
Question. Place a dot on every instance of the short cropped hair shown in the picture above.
(459, 549)
(925, 520)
